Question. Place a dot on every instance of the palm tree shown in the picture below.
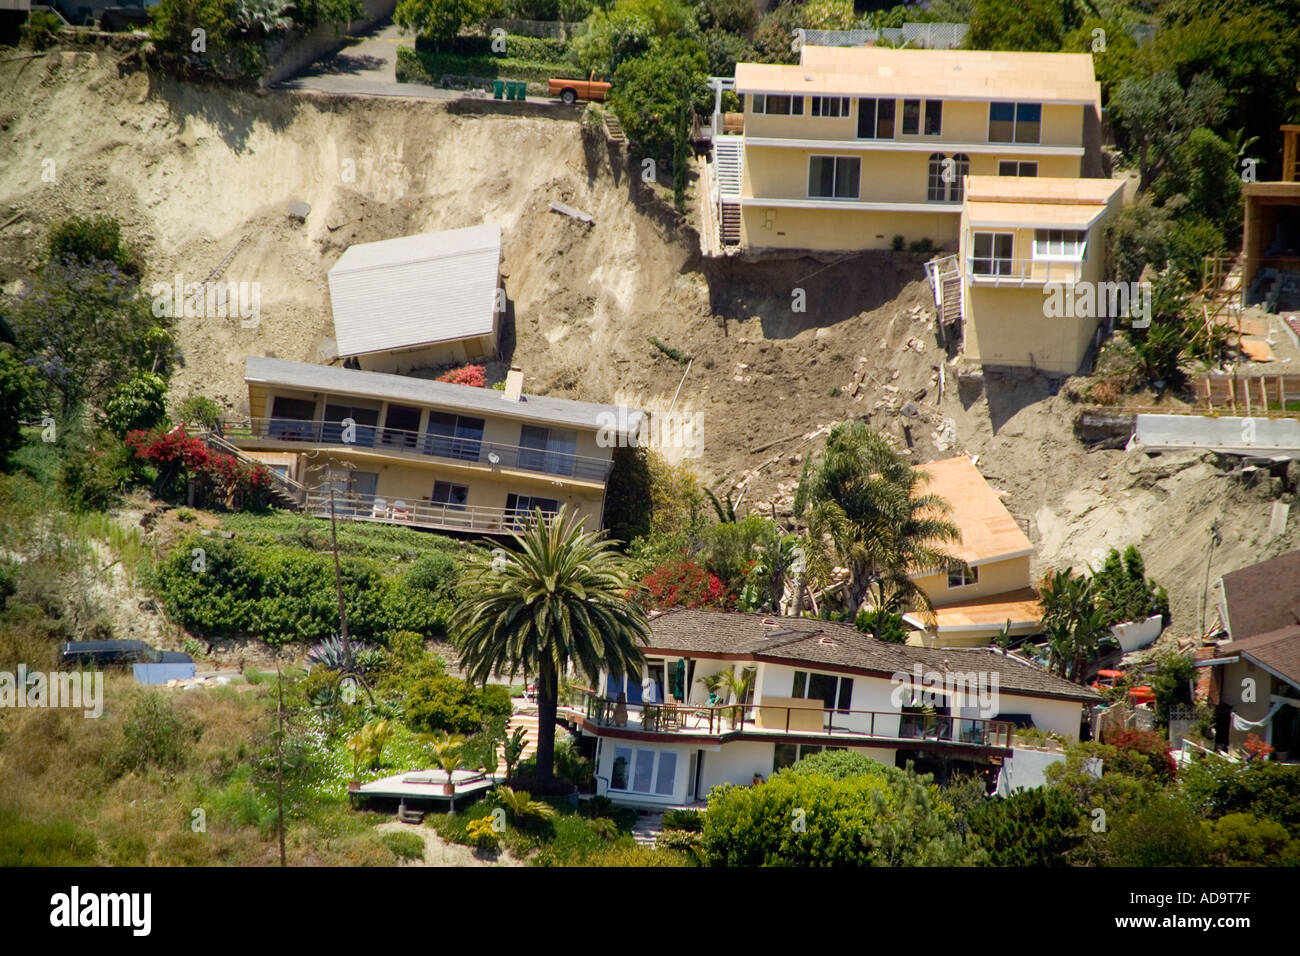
(866, 512)
(563, 598)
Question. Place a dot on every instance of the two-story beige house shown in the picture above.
(399, 449)
(856, 146)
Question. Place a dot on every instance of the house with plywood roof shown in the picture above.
(418, 301)
(973, 603)
(1031, 269)
(855, 146)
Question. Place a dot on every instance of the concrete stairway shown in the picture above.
(647, 830)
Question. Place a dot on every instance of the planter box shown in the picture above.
(1135, 635)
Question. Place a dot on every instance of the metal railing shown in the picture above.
(419, 513)
(997, 270)
(447, 447)
(713, 719)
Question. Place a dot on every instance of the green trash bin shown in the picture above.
(521, 90)
(498, 89)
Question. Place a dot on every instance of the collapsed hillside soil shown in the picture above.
(782, 347)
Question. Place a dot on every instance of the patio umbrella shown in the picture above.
(679, 679)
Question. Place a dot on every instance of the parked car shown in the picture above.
(119, 654)
(570, 91)
(1110, 679)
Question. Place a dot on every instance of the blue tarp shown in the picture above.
(162, 673)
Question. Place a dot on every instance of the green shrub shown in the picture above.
(199, 411)
(96, 239)
(436, 702)
(1029, 828)
(405, 846)
(56, 843)
(138, 403)
(882, 625)
(802, 818)
(96, 471)
(1268, 790)
(41, 29)
(691, 821)
(155, 734)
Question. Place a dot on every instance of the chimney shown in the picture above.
(514, 384)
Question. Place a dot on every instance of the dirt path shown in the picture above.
(440, 852)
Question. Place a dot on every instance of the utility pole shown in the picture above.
(279, 756)
(338, 587)
(1215, 539)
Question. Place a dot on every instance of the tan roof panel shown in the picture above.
(1046, 215)
(988, 531)
(1042, 189)
(1019, 607)
(950, 74)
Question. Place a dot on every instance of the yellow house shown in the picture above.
(1032, 265)
(973, 604)
(855, 146)
(398, 449)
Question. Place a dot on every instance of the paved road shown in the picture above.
(369, 68)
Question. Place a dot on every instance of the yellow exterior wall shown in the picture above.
(1008, 324)
(843, 229)
(444, 353)
(414, 484)
(963, 122)
(996, 577)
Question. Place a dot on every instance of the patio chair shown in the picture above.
(400, 511)
(379, 509)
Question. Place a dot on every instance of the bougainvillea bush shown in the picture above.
(220, 477)
(683, 583)
(474, 375)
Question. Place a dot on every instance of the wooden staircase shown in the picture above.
(613, 128)
(728, 179)
(284, 491)
(945, 283)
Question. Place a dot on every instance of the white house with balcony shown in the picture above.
(664, 739)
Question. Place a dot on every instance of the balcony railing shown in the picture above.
(445, 447)
(715, 720)
(423, 514)
(994, 270)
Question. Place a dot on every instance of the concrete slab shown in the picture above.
(1276, 439)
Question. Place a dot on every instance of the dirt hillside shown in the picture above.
(196, 173)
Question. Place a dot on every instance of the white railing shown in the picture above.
(995, 270)
(423, 514)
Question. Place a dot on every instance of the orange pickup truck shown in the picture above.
(570, 91)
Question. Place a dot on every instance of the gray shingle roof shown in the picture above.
(413, 290)
(443, 395)
(831, 646)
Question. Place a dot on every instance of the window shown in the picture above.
(992, 254)
(1013, 167)
(911, 117)
(960, 170)
(643, 770)
(547, 449)
(933, 117)
(961, 578)
(833, 691)
(453, 496)
(365, 420)
(1015, 122)
(291, 418)
(936, 188)
(834, 177)
(773, 105)
(1068, 244)
(520, 507)
(401, 426)
(875, 119)
(786, 755)
(454, 436)
(830, 106)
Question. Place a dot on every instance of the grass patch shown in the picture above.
(405, 846)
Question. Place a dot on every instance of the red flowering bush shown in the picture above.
(1144, 747)
(474, 375)
(1257, 748)
(235, 483)
(684, 583)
